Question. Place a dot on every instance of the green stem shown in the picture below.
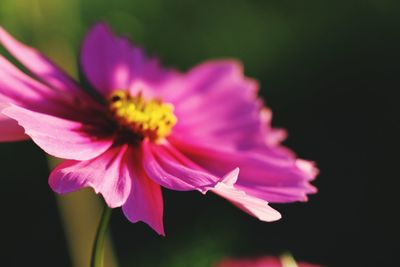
(98, 246)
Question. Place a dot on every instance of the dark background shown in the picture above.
(328, 70)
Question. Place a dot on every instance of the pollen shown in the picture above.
(151, 119)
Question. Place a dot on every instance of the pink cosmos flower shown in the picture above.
(144, 126)
(267, 261)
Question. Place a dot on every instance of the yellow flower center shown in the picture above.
(147, 118)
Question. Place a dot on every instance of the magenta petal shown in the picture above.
(266, 261)
(294, 185)
(38, 64)
(112, 63)
(273, 136)
(10, 130)
(145, 202)
(167, 171)
(268, 175)
(174, 164)
(60, 137)
(107, 174)
(22, 90)
(18, 88)
(262, 262)
(252, 205)
(216, 76)
(220, 103)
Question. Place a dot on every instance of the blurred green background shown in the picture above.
(328, 69)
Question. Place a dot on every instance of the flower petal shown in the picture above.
(223, 187)
(222, 125)
(266, 175)
(107, 174)
(268, 261)
(220, 99)
(18, 88)
(10, 130)
(145, 202)
(252, 205)
(265, 261)
(37, 63)
(60, 137)
(213, 76)
(167, 171)
(112, 63)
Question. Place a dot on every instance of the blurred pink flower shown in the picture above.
(143, 127)
(267, 261)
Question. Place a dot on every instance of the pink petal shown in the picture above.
(258, 262)
(266, 261)
(10, 130)
(264, 175)
(273, 136)
(112, 63)
(254, 206)
(222, 125)
(145, 202)
(166, 170)
(224, 187)
(210, 76)
(18, 88)
(60, 137)
(220, 103)
(38, 64)
(108, 174)
(294, 186)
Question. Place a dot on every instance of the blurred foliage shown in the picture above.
(327, 68)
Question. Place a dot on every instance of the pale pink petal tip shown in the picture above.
(252, 205)
(308, 167)
(273, 136)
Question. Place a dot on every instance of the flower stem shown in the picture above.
(98, 245)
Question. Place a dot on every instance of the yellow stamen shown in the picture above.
(146, 118)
